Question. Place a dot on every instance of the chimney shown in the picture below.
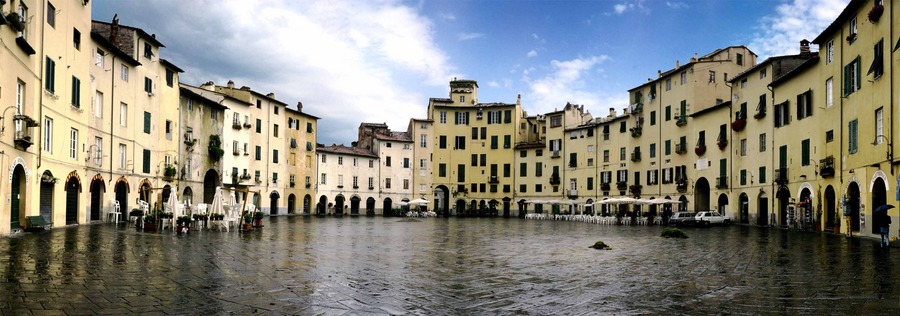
(299, 106)
(612, 112)
(659, 73)
(519, 99)
(114, 28)
(209, 85)
(271, 95)
(230, 84)
(804, 48)
(677, 64)
(694, 59)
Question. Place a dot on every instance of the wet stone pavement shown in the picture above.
(375, 266)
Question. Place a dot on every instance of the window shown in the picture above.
(443, 117)
(493, 141)
(606, 155)
(712, 76)
(323, 178)
(73, 144)
(309, 127)
(829, 136)
(123, 114)
(98, 104)
(762, 142)
(371, 163)
(507, 116)
(494, 117)
(340, 181)
(462, 118)
(879, 126)
(668, 112)
(523, 169)
(829, 51)
(406, 163)
(50, 75)
(387, 161)
(622, 154)
(762, 73)
(148, 85)
(556, 121)
(462, 99)
(258, 126)
(422, 163)
(507, 141)
(324, 158)
(123, 72)
(782, 114)
(76, 38)
(668, 147)
(762, 174)
(460, 142)
(683, 76)
(148, 50)
(623, 127)
(123, 155)
(258, 154)
(744, 83)
(442, 170)
(804, 105)
(743, 147)
(877, 67)
(804, 152)
(146, 166)
(483, 160)
(170, 78)
(275, 130)
(442, 142)
(829, 92)
(743, 177)
(853, 143)
(652, 118)
(146, 122)
(851, 77)
(423, 141)
(76, 92)
(275, 108)
(48, 134)
(51, 15)
(406, 184)
(853, 30)
(652, 150)
(387, 183)
(483, 133)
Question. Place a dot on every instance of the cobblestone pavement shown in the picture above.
(373, 266)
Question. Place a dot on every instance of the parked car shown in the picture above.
(682, 219)
(711, 218)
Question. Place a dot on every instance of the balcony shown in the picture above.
(826, 167)
(722, 143)
(636, 131)
(554, 180)
(23, 135)
(247, 124)
(636, 156)
(622, 185)
(308, 185)
(554, 154)
(722, 183)
(292, 184)
(760, 112)
(700, 150)
(681, 148)
(637, 108)
(681, 120)
(494, 180)
(236, 124)
(572, 193)
(739, 124)
(781, 175)
(635, 189)
(681, 186)
(604, 186)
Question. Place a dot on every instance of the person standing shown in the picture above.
(885, 229)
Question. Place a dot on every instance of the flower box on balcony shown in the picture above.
(722, 144)
(876, 12)
(738, 124)
(700, 150)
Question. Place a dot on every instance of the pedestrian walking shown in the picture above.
(883, 221)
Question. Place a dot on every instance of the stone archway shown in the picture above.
(307, 204)
(762, 211)
(804, 209)
(210, 182)
(460, 207)
(683, 206)
(354, 205)
(370, 206)
(784, 196)
(744, 205)
(723, 204)
(322, 205)
(187, 195)
(701, 195)
(387, 207)
(832, 219)
(273, 202)
(292, 204)
(97, 190)
(339, 205)
(17, 204)
(879, 198)
(121, 190)
(853, 201)
(73, 192)
(442, 200)
(47, 187)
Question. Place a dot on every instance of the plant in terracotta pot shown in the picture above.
(257, 219)
(151, 222)
(247, 222)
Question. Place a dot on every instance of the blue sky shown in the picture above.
(353, 61)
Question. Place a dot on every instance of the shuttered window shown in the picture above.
(852, 137)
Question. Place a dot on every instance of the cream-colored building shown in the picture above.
(474, 145)
(202, 125)
(301, 144)
(421, 132)
(348, 181)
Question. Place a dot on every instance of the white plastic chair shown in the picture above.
(114, 215)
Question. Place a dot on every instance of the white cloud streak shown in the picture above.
(566, 83)
(780, 33)
(469, 36)
(532, 53)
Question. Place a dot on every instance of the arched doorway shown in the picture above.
(804, 209)
(879, 198)
(460, 207)
(121, 190)
(744, 202)
(273, 202)
(16, 204)
(292, 203)
(144, 191)
(210, 182)
(97, 190)
(46, 203)
(523, 208)
(441, 200)
(73, 190)
(506, 201)
(187, 196)
(683, 206)
(386, 207)
(339, 205)
(853, 205)
(784, 197)
(762, 211)
(354, 205)
(832, 221)
(307, 204)
(723, 204)
(589, 207)
(323, 203)
(370, 206)
(701, 195)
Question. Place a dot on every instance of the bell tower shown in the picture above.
(464, 92)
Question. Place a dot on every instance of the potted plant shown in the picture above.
(151, 222)
(257, 219)
(722, 144)
(166, 215)
(247, 223)
(169, 172)
(215, 148)
(700, 150)
(876, 12)
(15, 21)
(183, 224)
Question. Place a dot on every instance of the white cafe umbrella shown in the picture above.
(216, 206)
(419, 201)
(172, 203)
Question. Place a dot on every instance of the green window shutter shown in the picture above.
(847, 79)
(443, 142)
(762, 174)
(76, 92)
(804, 155)
(146, 166)
(852, 137)
(507, 116)
(668, 147)
(474, 133)
(856, 64)
(668, 113)
(467, 118)
(456, 118)
(523, 169)
(723, 167)
(539, 169)
(652, 118)
(49, 74)
(743, 177)
(146, 122)
(507, 141)
(493, 141)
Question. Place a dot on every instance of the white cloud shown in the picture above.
(493, 84)
(780, 33)
(677, 5)
(532, 53)
(447, 16)
(469, 36)
(567, 83)
(621, 8)
(347, 61)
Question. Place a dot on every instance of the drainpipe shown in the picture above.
(772, 142)
(40, 131)
(112, 116)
